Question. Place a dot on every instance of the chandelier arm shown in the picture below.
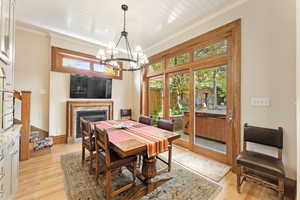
(118, 41)
(128, 45)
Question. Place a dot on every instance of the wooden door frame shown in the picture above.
(233, 58)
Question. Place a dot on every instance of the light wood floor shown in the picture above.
(41, 178)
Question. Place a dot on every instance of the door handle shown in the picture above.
(229, 118)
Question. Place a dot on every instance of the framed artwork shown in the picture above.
(7, 30)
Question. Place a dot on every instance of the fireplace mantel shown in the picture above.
(73, 105)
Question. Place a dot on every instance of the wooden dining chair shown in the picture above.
(169, 126)
(258, 167)
(125, 114)
(145, 120)
(88, 142)
(111, 161)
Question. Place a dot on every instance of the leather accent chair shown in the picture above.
(145, 120)
(260, 168)
(169, 126)
(88, 142)
(111, 161)
(125, 114)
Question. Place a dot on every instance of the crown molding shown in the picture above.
(30, 28)
(194, 25)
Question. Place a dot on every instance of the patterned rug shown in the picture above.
(185, 184)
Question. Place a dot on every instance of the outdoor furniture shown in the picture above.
(88, 142)
(125, 114)
(260, 168)
(145, 119)
(167, 125)
(139, 139)
(110, 160)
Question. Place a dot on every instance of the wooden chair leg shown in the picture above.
(83, 156)
(170, 157)
(97, 169)
(139, 162)
(281, 189)
(91, 161)
(108, 185)
(134, 173)
(238, 176)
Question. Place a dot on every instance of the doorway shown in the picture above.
(197, 86)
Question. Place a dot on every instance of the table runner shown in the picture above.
(155, 139)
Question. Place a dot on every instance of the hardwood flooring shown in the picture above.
(41, 178)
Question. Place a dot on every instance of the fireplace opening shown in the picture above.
(91, 115)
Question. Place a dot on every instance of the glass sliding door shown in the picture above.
(179, 92)
(210, 108)
(155, 99)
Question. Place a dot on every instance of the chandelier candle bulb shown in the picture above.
(134, 61)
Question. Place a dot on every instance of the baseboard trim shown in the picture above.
(60, 139)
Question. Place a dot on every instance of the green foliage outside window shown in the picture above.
(178, 60)
(211, 50)
(155, 67)
(179, 94)
(214, 79)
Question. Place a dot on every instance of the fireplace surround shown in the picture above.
(89, 110)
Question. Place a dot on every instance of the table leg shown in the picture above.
(149, 171)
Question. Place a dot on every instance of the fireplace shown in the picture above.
(88, 110)
(89, 115)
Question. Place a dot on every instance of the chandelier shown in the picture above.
(132, 61)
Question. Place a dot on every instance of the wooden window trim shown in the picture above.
(58, 54)
(156, 73)
(230, 32)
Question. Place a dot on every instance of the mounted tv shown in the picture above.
(85, 87)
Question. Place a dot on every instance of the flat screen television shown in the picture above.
(90, 87)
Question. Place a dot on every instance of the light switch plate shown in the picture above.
(260, 101)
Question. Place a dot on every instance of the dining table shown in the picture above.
(128, 137)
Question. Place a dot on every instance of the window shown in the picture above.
(104, 69)
(156, 67)
(74, 63)
(156, 99)
(211, 50)
(178, 60)
(83, 64)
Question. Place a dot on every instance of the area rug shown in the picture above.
(204, 166)
(185, 184)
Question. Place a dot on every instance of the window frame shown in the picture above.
(58, 54)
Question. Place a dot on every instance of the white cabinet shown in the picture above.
(9, 164)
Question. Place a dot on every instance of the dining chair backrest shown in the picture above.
(125, 113)
(145, 120)
(264, 136)
(85, 128)
(165, 124)
(102, 144)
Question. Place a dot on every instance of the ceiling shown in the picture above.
(100, 21)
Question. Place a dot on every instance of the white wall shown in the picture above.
(32, 73)
(59, 87)
(59, 94)
(50, 90)
(268, 64)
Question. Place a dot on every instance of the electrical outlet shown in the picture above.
(260, 101)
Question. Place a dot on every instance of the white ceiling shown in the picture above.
(148, 21)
